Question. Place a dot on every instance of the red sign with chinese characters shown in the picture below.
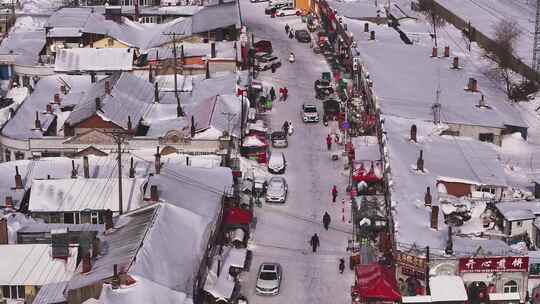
(498, 264)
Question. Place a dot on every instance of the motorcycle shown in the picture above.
(291, 58)
(291, 129)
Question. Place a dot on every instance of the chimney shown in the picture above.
(435, 217)
(107, 87)
(49, 108)
(472, 85)
(420, 162)
(154, 195)
(57, 98)
(4, 240)
(156, 92)
(73, 170)
(18, 179)
(150, 75)
(446, 51)
(129, 124)
(182, 54)
(455, 63)
(108, 219)
(366, 27)
(131, 169)
(37, 122)
(96, 247)
(9, 202)
(86, 167)
(427, 197)
(98, 103)
(434, 52)
(86, 263)
(63, 89)
(213, 50)
(372, 35)
(413, 133)
(157, 161)
(207, 70)
(449, 243)
(92, 77)
(115, 282)
(482, 102)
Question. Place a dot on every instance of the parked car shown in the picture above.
(273, 8)
(309, 113)
(279, 139)
(263, 46)
(277, 163)
(302, 36)
(276, 191)
(268, 279)
(323, 88)
(267, 61)
(287, 11)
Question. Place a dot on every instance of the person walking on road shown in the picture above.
(329, 142)
(334, 194)
(287, 28)
(272, 93)
(314, 242)
(341, 265)
(326, 220)
(285, 93)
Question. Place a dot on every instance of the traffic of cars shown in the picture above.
(268, 279)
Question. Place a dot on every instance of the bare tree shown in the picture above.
(432, 16)
(506, 34)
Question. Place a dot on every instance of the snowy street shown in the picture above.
(283, 232)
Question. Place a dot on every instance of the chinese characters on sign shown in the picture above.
(498, 264)
(416, 263)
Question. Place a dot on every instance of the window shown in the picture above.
(94, 217)
(19, 155)
(510, 286)
(71, 218)
(7, 154)
(534, 269)
(13, 292)
(519, 223)
(488, 137)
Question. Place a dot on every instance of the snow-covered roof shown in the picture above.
(356, 9)
(218, 84)
(51, 293)
(366, 148)
(518, 211)
(222, 112)
(65, 32)
(77, 194)
(143, 291)
(69, 17)
(410, 92)
(192, 188)
(130, 97)
(96, 60)
(212, 17)
(47, 227)
(22, 46)
(136, 246)
(447, 289)
(33, 265)
(224, 49)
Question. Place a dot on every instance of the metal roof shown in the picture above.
(96, 60)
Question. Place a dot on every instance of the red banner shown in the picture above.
(498, 264)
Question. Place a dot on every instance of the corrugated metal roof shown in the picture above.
(216, 16)
(90, 59)
(58, 32)
(26, 46)
(69, 17)
(77, 194)
(47, 227)
(33, 265)
(51, 293)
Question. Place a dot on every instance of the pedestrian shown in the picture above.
(281, 93)
(287, 27)
(285, 127)
(273, 68)
(341, 265)
(285, 93)
(272, 93)
(314, 242)
(326, 220)
(329, 142)
(291, 35)
(334, 194)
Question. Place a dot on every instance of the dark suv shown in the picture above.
(302, 36)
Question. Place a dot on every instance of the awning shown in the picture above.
(447, 288)
(238, 216)
(253, 141)
(374, 281)
(509, 296)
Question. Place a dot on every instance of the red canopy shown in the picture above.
(238, 216)
(374, 281)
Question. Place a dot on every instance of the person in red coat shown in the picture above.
(329, 142)
(334, 194)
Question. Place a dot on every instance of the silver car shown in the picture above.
(276, 191)
(268, 279)
(309, 113)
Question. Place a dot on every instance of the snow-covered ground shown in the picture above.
(283, 231)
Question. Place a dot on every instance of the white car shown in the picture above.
(309, 113)
(267, 61)
(276, 191)
(277, 163)
(287, 11)
(268, 279)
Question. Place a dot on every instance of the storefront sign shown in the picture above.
(498, 264)
(411, 261)
(413, 273)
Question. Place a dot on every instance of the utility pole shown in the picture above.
(536, 45)
(179, 110)
(230, 117)
(119, 138)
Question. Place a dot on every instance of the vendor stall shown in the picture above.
(374, 283)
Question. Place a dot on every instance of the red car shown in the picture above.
(263, 46)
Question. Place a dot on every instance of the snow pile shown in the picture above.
(142, 291)
(38, 6)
